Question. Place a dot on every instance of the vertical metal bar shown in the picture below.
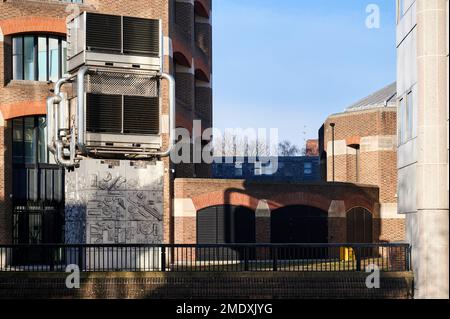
(275, 258)
(163, 258)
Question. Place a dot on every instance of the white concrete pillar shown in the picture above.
(429, 230)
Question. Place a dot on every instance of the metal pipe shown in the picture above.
(171, 81)
(49, 129)
(80, 109)
(333, 125)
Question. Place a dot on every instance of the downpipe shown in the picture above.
(80, 120)
(172, 137)
(55, 144)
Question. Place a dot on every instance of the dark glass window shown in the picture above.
(29, 141)
(39, 57)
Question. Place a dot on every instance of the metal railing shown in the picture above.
(206, 258)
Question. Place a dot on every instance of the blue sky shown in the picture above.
(290, 63)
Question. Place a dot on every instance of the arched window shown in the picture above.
(39, 57)
(359, 226)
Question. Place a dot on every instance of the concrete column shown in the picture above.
(262, 223)
(428, 229)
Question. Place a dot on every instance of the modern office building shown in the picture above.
(359, 146)
(422, 87)
(33, 51)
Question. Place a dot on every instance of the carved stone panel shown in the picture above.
(115, 202)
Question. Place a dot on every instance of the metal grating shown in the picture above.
(141, 115)
(103, 32)
(122, 83)
(141, 36)
(103, 113)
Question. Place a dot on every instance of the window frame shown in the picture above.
(36, 138)
(36, 37)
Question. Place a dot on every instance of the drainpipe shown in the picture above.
(171, 81)
(80, 109)
(333, 125)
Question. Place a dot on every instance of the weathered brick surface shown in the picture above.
(397, 285)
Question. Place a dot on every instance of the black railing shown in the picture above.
(206, 258)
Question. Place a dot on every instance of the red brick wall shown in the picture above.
(376, 167)
(209, 192)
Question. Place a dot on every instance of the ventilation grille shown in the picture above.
(120, 83)
(117, 114)
(141, 115)
(103, 32)
(126, 35)
(103, 113)
(141, 36)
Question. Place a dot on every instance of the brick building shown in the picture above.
(32, 50)
(359, 146)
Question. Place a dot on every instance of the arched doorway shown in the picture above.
(299, 225)
(359, 226)
(224, 224)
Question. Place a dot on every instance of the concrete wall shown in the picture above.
(422, 44)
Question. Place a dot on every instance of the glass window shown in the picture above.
(29, 53)
(53, 57)
(401, 121)
(29, 140)
(18, 58)
(410, 114)
(64, 57)
(42, 58)
(42, 144)
(307, 168)
(17, 141)
(39, 58)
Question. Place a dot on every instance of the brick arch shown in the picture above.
(202, 8)
(23, 108)
(33, 24)
(181, 53)
(300, 199)
(220, 198)
(201, 75)
(359, 201)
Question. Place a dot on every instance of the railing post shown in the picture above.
(408, 258)
(246, 258)
(80, 257)
(358, 258)
(163, 258)
(275, 258)
(51, 254)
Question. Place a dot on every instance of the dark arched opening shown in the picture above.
(299, 225)
(224, 224)
(359, 226)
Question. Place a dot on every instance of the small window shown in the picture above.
(258, 169)
(307, 168)
(238, 169)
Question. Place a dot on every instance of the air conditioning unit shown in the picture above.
(101, 40)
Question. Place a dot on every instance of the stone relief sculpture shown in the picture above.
(114, 204)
